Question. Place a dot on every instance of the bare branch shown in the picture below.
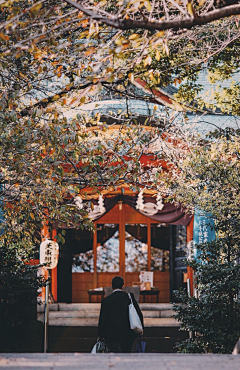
(51, 99)
(176, 24)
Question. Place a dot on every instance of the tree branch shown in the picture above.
(127, 24)
(51, 99)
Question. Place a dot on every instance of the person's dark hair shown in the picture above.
(117, 282)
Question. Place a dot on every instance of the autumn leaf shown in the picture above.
(56, 97)
(84, 23)
(133, 36)
(4, 37)
(90, 51)
(148, 5)
(159, 34)
(148, 61)
(158, 55)
(190, 8)
(91, 29)
(34, 10)
(83, 99)
(72, 101)
(22, 75)
(131, 77)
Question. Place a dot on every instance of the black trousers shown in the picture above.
(121, 346)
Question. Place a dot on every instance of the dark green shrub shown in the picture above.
(214, 315)
(19, 286)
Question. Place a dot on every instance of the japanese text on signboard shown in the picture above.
(202, 231)
(49, 251)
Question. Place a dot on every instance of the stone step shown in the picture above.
(96, 307)
(95, 314)
(93, 321)
(158, 314)
(79, 306)
(155, 306)
(74, 314)
(92, 331)
(71, 307)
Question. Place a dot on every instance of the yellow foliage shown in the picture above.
(148, 61)
(190, 8)
(133, 36)
(131, 77)
(159, 34)
(56, 97)
(158, 55)
(148, 5)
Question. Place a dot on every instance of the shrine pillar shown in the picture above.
(189, 239)
(54, 271)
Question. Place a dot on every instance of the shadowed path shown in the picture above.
(112, 361)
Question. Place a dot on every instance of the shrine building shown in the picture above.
(135, 232)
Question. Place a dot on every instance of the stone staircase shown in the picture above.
(73, 327)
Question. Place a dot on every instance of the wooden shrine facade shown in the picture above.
(81, 282)
(69, 286)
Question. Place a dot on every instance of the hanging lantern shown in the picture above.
(49, 252)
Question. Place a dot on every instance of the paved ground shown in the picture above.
(118, 362)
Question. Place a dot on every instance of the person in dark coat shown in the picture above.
(114, 324)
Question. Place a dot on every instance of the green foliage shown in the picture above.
(209, 180)
(229, 98)
(46, 162)
(214, 314)
(19, 286)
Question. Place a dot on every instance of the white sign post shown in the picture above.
(49, 252)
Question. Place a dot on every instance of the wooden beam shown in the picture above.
(95, 279)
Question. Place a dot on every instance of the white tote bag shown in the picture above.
(135, 322)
